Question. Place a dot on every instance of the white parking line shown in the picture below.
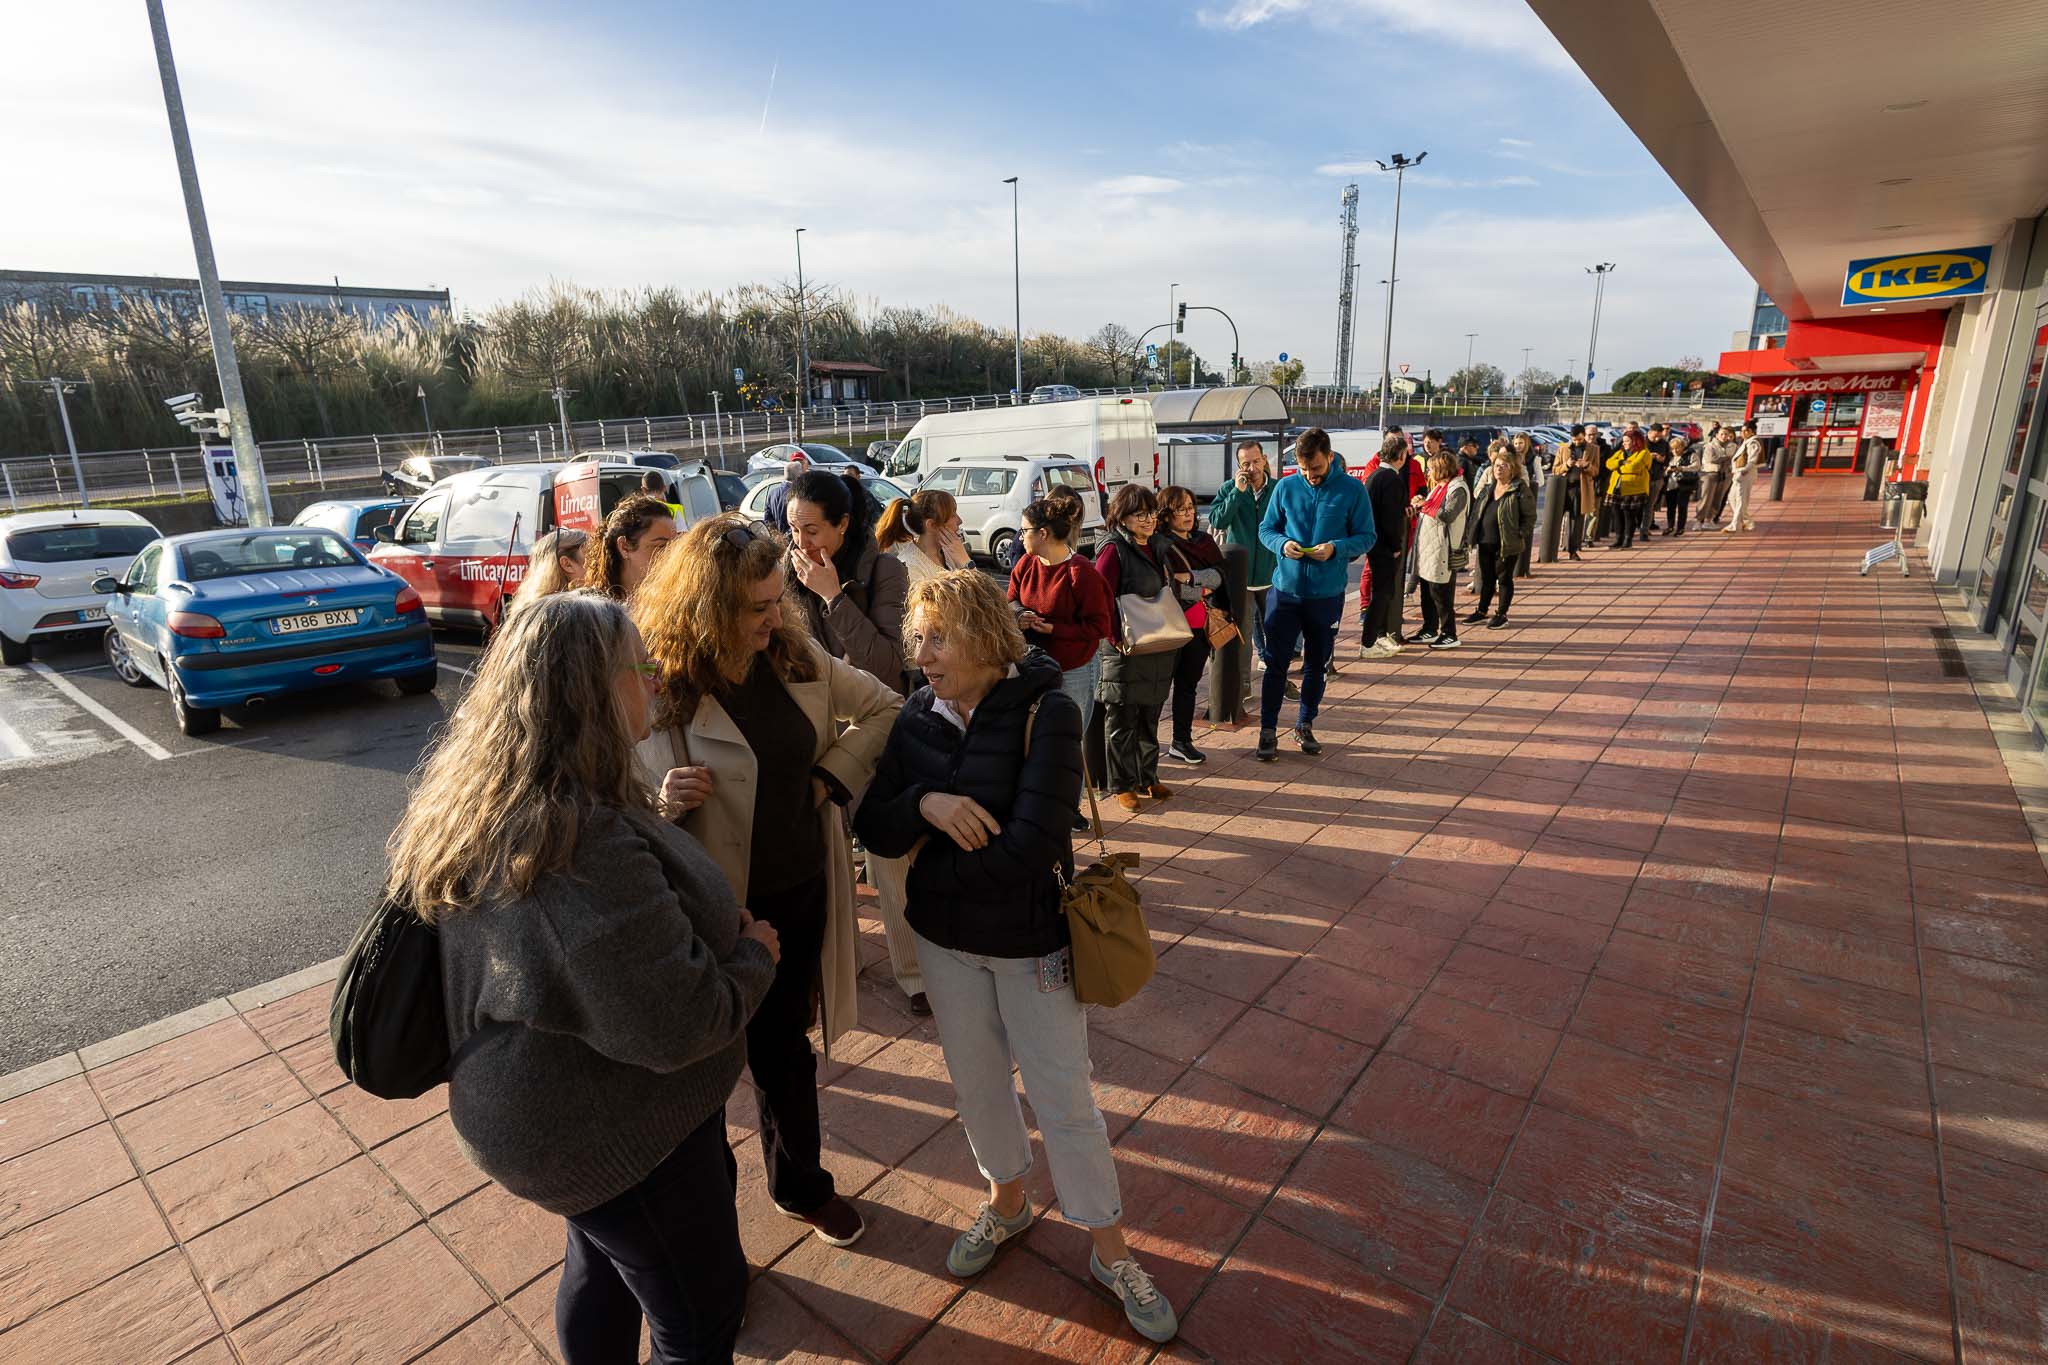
(113, 722)
(12, 745)
(461, 673)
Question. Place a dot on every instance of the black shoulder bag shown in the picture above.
(389, 1018)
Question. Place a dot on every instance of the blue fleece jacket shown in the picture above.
(1335, 511)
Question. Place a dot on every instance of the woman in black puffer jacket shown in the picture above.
(977, 788)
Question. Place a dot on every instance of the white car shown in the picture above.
(48, 562)
(884, 491)
(992, 492)
(829, 458)
(1055, 393)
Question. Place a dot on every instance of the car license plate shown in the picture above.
(315, 620)
(92, 613)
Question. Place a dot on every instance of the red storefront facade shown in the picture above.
(1839, 387)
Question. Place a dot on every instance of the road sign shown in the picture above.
(1404, 367)
(1283, 357)
(739, 376)
(1151, 352)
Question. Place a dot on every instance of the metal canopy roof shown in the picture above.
(1218, 409)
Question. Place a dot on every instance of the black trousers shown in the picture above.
(669, 1249)
(1629, 514)
(1574, 515)
(1676, 501)
(1439, 616)
(1132, 744)
(1383, 608)
(1187, 682)
(1496, 570)
(779, 1055)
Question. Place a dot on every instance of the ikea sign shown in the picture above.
(1917, 276)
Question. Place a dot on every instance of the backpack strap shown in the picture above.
(1094, 811)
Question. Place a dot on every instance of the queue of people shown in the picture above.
(635, 840)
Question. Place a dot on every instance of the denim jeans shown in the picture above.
(1310, 622)
(990, 1010)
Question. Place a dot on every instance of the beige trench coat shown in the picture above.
(725, 823)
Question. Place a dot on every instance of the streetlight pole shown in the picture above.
(1017, 278)
(1599, 273)
(1524, 376)
(803, 342)
(421, 391)
(60, 387)
(248, 455)
(1467, 395)
(1399, 168)
(562, 411)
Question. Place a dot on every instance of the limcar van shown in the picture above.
(463, 546)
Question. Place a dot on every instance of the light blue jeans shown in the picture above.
(1079, 683)
(989, 1009)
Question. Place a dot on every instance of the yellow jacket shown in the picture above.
(1629, 475)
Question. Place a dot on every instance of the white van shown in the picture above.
(992, 492)
(1112, 436)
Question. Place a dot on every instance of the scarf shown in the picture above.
(1435, 505)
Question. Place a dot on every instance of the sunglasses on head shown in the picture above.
(739, 537)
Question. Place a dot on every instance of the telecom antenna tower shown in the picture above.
(1346, 275)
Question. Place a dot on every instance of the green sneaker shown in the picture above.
(975, 1248)
(1144, 1306)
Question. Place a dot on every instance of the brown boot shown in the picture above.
(1159, 791)
(1128, 800)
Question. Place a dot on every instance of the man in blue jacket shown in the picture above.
(1317, 523)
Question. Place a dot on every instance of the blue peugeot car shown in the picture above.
(236, 617)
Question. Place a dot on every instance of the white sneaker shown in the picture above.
(1376, 650)
(1390, 644)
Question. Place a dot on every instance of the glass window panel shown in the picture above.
(2019, 432)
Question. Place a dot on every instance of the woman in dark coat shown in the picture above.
(852, 594)
(1197, 563)
(974, 789)
(1134, 687)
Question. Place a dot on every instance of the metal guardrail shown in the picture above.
(724, 439)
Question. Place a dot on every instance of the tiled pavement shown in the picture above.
(1663, 979)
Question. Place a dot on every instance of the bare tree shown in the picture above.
(311, 342)
(1118, 349)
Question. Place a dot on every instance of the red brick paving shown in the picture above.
(1588, 1000)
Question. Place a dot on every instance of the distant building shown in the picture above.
(843, 381)
(1767, 326)
(250, 299)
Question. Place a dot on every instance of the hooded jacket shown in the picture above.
(1335, 511)
(1003, 899)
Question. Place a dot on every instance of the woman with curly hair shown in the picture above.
(761, 739)
(553, 565)
(636, 534)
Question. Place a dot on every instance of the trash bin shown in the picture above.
(1888, 505)
(1910, 501)
(1910, 513)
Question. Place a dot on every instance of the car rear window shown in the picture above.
(68, 544)
(1073, 476)
(827, 454)
(370, 518)
(230, 557)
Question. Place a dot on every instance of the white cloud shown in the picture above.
(1516, 142)
(1504, 27)
(1126, 185)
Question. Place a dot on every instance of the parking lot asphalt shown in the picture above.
(145, 872)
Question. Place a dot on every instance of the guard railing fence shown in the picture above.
(723, 439)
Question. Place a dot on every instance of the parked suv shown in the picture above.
(415, 474)
(993, 491)
(48, 561)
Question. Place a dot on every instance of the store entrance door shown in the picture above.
(1826, 435)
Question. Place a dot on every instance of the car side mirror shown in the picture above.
(107, 584)
(387, 534)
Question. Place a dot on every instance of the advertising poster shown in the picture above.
(1773, 416)
(1884, 415)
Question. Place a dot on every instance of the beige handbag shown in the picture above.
(1151, 625)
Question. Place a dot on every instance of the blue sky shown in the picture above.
(491, 148)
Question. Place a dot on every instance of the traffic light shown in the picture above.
(1180, 323)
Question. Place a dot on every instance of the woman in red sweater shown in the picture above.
(1062, 603)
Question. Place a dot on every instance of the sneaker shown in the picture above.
(1330, 668)
(1128, 800)
(1184, 751)
(1428, 637)
(1496, 622)
(1269, 747)
(834, 1222)
(921, 1005)
(1445, 642)
(1475, 618)
(1082, 824)
(975, 1248)
(1293, 692)
(1145, 1308)
(1368, 652)
(1159, 791)
(1391, 643)
(1306, 738)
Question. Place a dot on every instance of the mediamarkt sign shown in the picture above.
(1836, 383)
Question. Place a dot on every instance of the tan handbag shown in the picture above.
(1221, 629)
(1112, 948)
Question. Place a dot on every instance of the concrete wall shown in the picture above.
(196, 514)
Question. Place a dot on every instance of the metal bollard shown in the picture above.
(177, 474)
(1550, 517)
(1778, 466)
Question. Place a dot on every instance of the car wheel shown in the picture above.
(192, 720)
(122, 662)
(13, 651)
(1004, 549)
(419, 684)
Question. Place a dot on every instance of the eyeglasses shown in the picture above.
(647, 670)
